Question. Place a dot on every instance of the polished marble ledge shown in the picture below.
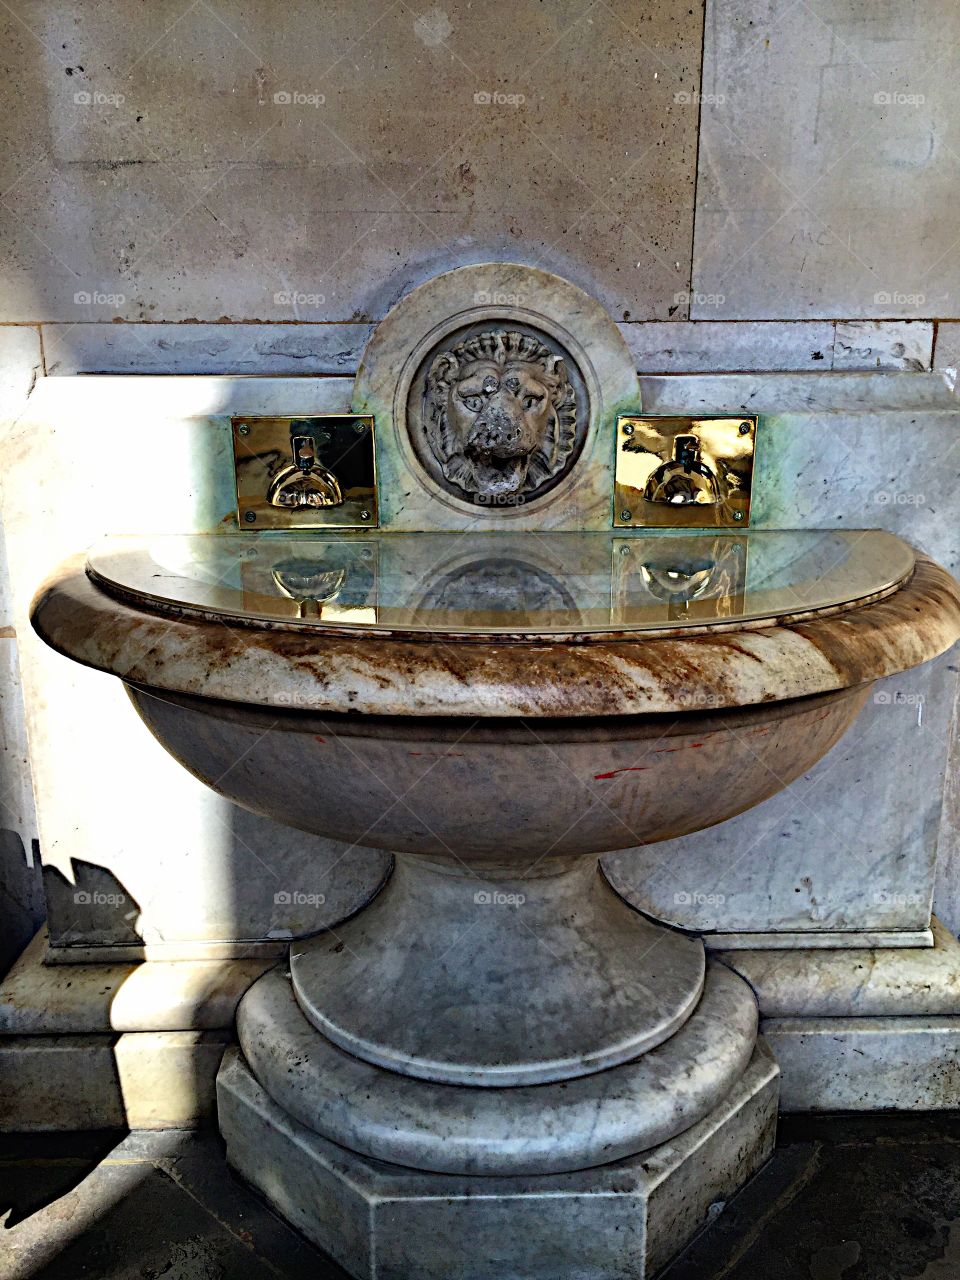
(38, 998)
(839, 983)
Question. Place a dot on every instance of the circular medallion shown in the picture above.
(497, 413)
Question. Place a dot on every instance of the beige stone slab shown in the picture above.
(947, 892)
(820, 940)
(827, 160)
(875, 982)
(946, 352)
(41, 999)
(876, 344)
(143, 1080)
(336, 157)
(305, 349)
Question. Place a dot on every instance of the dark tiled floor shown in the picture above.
(872, 1198)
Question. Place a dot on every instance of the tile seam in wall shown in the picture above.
(696, 158)
(884, 348)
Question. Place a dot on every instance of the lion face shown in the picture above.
(499, 419)
(500, 414)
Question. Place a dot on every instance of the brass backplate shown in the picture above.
(684, 473)
(343, 449)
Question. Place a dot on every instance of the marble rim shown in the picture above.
(541, 1128)
(719, 669)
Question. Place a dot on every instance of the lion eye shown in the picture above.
(529, 402)
(473, 403)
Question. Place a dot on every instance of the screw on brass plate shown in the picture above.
(243, 429)
(359, 428)
(628, 428)
(744, 428)
(738, 515)
(250, 517)
(625, 515)
(364, 515)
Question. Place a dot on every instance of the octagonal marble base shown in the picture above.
(622, 1221)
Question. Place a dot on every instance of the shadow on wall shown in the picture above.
(22, 908)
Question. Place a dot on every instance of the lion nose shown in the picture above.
(496, 429)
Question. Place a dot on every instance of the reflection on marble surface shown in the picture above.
(499, 583)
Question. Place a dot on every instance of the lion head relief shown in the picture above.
(500, 414)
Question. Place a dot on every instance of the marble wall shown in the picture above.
(752, 187)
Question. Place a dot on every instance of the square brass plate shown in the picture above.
(344, 447)
(684, 473)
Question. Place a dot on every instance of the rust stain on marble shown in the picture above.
(488, 678)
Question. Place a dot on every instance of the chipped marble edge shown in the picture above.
(419, 678)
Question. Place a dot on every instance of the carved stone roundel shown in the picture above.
(498, 415)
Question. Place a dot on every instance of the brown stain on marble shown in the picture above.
(560, 678)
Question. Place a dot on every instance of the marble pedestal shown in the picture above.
(621, 1221)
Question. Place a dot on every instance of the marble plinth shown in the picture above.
(861, 1030)
(102, 1046)
(867, 1064)
(623, 1221)
(530, 1129)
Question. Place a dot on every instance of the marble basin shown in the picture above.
(498, 711)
